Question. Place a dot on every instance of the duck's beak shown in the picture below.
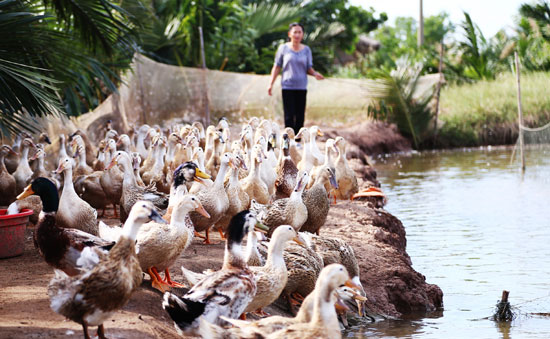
(319, 133)
(340, 306)
(350, 283)
(200, 209)
(297, 239)
(155, 216)
(333, 182)
(28, 191)
(12, 152)
(60, 169)
(201, 174)
(35, 156)
(47, 140)
(111, 164)
(261, 227)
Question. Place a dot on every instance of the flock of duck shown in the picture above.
(266, 191)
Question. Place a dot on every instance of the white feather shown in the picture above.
(109, 233)
(13, 208)
(88, 258)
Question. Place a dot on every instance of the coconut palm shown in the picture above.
(58, 57)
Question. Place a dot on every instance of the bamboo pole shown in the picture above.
(520, 113)
(420, 27)
(205, 87)
(438, 90)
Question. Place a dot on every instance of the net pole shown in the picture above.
(205, 88)
(520, 113)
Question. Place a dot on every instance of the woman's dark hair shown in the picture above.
(294, 24)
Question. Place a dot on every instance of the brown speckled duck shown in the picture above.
(73, 211)
(317, 202)
(94, 296)
(288, 211)
(61, 247)
(286, 172)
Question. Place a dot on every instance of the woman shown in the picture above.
(294, 58)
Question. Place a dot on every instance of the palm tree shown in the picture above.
(59, 57)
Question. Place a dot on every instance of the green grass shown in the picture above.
(485, 112)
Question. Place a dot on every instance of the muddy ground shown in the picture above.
(378, 238)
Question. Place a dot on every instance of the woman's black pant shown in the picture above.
(294, 105)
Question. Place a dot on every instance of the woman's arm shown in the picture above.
(316, 74)
(274, 73)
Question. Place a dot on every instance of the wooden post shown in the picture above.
(504, 297)
(205, 87)
(420, 27)
(438, 90)
(520, 114)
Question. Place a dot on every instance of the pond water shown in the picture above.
(475, 226)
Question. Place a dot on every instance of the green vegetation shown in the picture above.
(485, 112)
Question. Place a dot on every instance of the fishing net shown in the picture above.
(536, 141)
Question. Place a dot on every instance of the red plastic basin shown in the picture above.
(12, 232)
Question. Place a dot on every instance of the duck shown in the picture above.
(90, 150)
(317, 201)
(7, 181)
(287, 171)
(61, 247)
(303, 265)
(78, 148)
(308, 160)
(330, 148)
(136, 160)
(271, 278)
(40, 170)
(267, 167)
(315, 131)
(160, 244)
(131, 192)
(253, 184)
(288, 211)
(156, 173)
(214, 162)
(62, 154)
(317, 317)
(324, 320)
(88, 187)
(142, 134)
(238, 198)
(353, 301)
(92, 297)
(12, 160)
(73, 211)
(345, 176)
(215, 201)
(111, 179)
(124, 143)
(23, 173)
(334, 250)
(99, 162)
(225, 292)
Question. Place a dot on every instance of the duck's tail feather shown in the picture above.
(182, 311)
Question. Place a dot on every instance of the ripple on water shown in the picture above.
(475, 226)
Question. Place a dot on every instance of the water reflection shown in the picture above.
(475, 226)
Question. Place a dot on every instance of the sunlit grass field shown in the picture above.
(486, 112)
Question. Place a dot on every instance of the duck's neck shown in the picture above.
(159, 160)
(130, 229)
(251, 246)
(233, 256)
(62, 149)
(324, 314)
(40, 168)
(275, 253)
(221, 175)
(68, 180)
(177, 220)
(129, 178)
(2, 165)
(25, 156)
